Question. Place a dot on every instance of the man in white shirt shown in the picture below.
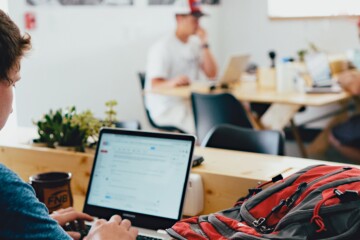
(176, 60)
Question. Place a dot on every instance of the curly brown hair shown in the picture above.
(12, 46)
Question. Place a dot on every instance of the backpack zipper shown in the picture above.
(305, 185)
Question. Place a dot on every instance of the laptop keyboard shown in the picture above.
(84, 232)
(140, 237)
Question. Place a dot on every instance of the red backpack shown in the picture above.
(318, 202)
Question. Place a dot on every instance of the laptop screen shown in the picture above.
(319, 69)
(139, 173)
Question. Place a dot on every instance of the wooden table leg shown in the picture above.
(298, 139)
(279, 115)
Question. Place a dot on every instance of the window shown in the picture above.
(312, 8)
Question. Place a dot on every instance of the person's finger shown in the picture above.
(72, 216)
(74, 235)
(126, 224)
(99, 222)
(133, 232)
(115, 218)
(64, 210)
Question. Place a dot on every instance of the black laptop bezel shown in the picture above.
(137, 219)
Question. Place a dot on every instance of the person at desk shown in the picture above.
(22, 216)
(345, 137)
(176, 60)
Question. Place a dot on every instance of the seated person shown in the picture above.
(176, 60)
(22, 216)
(345, 137)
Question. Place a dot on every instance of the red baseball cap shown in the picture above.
(190, 7)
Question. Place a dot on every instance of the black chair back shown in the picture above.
(213, 109)
(142, 78)
(130, 125)
(244, 139)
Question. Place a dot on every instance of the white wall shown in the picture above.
(247, 28)
(4, 5)
(85, 56)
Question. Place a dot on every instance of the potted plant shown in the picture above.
(110, 113)
(48, 128)
(76, 130)
(69, 130)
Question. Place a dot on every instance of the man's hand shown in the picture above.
(70, 216)
(350, 81)
(115, 228)
(201, 33)
(180, 81)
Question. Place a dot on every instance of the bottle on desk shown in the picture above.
(286, 75)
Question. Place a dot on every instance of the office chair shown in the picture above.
(214, 109)
(130, 125)
(244, 139)
(167, 128)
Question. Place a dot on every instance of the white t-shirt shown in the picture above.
(169, 58)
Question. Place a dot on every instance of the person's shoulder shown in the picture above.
(161, 46)
(164, 41)
(7, 175)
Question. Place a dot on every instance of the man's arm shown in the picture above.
(22, 216)
(171, 83)
(350, 81)
(208, 64)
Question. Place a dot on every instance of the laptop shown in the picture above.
(141, 176)
(235, 66)
(319, 70)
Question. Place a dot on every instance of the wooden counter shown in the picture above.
(226, 174)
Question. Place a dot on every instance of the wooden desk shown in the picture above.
(283, 107)
(226, 175)
(249, 91)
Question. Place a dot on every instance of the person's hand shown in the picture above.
(348, 76)
(72, 217)
(115, 228)
(201, 33)
(180, 81)
(350, 81)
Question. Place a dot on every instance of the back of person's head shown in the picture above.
(12, 46)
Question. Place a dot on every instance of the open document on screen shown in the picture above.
(140, 174)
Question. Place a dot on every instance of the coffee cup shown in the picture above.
(53, 189)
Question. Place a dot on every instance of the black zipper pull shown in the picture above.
(258, 223)
(347, 196)
(291, 200)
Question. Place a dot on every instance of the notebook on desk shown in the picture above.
(319, 70)
(232, 72)
(140, 176)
